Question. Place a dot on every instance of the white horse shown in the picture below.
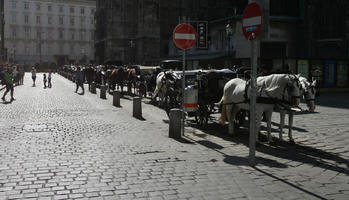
(308, 92)
(162, 80)
(275, 88)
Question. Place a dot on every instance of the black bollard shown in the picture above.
(116, 98)
(137, 107)
(93, 88)
(175, 129)
(103, 91)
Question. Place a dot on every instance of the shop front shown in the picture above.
(330, 73)
(342, 74)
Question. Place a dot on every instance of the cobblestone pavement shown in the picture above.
(56, 144)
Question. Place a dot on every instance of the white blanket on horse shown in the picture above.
(279, 86)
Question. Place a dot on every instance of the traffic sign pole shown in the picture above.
(253, 91)
(252, 25)
(183, 92)
(184, 36)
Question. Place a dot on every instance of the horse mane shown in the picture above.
(304, 82)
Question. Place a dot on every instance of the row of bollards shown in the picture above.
(137, 101)
(175, 123)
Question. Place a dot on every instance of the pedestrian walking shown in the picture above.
(9, 83)
(49, 79)
(2, 74)
(79, 77)
(33, 75)
(45, 81)
(15, 75)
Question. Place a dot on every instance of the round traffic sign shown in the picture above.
(184, 36)
(252, 21)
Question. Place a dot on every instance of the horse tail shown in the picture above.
(224, 110)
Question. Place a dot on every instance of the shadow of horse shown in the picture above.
(281, 149)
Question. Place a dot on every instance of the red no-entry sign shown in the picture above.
(184, 36)
(252, 21)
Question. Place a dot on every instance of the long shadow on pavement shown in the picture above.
(280, 149)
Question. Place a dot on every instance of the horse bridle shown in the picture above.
(291, 88)
(312, 88)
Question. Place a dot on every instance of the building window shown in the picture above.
(82, 21)
(26, 6)
(72, 21)
(82, 10)
(60, 8)
(284, 8)
(49, 20)
(61, 34)
(72, 36)
(49, 7)
(38, 6)
(71, 9)
(14, 5)
(72, 50)
(82, 35)
(14, 18)
(27, 32)
(38, 19)
(92, 21)
(26, 49)
(92, 35)
(61, 20)
(14, 32)
(38, 34)
(92, 11)
(26, 19)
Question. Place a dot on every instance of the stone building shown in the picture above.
(127, 31)
(52, 32)
(301, 36)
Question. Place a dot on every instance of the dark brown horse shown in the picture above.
(131, 79)
(117, 77)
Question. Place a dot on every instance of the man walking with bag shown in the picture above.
(9, 83)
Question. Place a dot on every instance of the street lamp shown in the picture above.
(229, 29)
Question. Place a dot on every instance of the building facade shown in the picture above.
(127, 31)
(310, 37)
(51, 32)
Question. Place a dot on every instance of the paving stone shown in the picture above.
(55, 144)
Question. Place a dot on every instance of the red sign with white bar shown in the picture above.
(184, 36)
(252, 21)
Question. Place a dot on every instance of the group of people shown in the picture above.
(10, 76)
(46, 78)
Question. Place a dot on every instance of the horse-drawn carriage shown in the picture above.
(209, 89)
(203, 88)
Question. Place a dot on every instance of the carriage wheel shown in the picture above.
(240, 118)
(202, 114)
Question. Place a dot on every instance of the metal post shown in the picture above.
(183, 90)
(40, 49)
(2, 24)
(183, 86)
(253, 90)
